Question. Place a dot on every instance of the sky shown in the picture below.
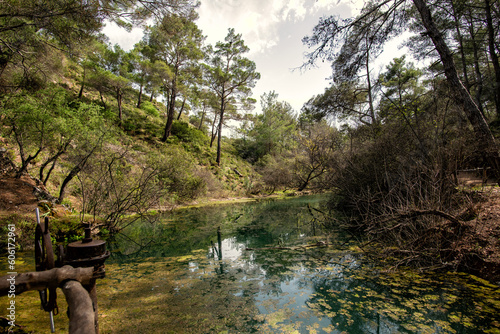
(273, 30)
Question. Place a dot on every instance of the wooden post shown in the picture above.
(80, 308)
(92, 290)
(82, 315)
(44, 279)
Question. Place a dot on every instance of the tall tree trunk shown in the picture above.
(182, 108)
(62, 191)
(487, 144)
(219, 135)
(214, 131)
(119, 100)
(52, 160)
(479, 76)
(139, 99)
(493, 55)
(461, 46)
(170, 116)
(102, 100)
(370, 95)
(80, 94)
(25, 161)
(202, 116)
(212, 139)
(44, 181)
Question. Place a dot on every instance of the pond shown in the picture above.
(273, 275)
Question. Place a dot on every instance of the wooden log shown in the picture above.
(80, 308)
(318, 244)
(39, 280)
(92, 290)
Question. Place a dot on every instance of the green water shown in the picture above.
(168, 276)
(173, 279)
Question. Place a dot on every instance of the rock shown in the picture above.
(6, 165)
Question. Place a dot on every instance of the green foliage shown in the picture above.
(401, 90)
(129, 125)
(188, 134)
(174, 44)
(180, 176)
(150, 109)
(271, 132)
(29, 30)
(46, 123)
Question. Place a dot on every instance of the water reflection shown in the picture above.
(191, 288)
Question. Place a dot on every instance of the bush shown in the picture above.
(149, 108)
(129, 125)
(402, 195)
(275, 172)
(188, 134)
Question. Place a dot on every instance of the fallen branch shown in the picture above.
(318, 244)
(447, 216)
(416, 213)
(40, 280)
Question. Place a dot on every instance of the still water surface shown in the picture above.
(169, 277)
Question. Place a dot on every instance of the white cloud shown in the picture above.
(273, 30)
(122, 37)
(294, 11)
(258, 20)
(255, 20)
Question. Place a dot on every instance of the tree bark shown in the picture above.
(477, 68)
(370, 95)
(487, 144)
(25, 161)
(102, 100)
(170, 116)
(493, 55)
(461, 46)
(80, 308)
(139, 99)
(80, 94)
(202, 117)
(119, 95)
(40, 280)
(182, 108)
(214, 131)
(219, 135)
(52, 159)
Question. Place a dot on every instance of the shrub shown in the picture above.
(188, 134)
(129, 125)
(181, 177)
(149, 108)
